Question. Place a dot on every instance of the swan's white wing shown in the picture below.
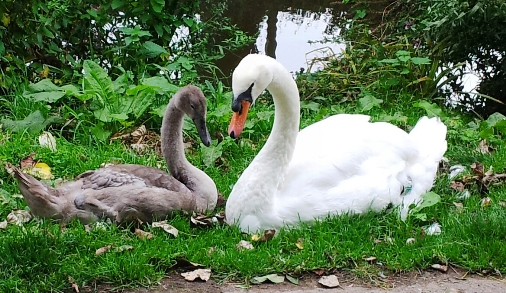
(345, 163)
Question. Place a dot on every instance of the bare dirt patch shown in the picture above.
(426, 281)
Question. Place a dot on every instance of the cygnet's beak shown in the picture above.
(238, 119)
(205, 137)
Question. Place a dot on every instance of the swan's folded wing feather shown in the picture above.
(342, 165)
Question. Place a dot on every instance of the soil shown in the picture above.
(452, 281)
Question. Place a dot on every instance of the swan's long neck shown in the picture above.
(172, 140)
(201, 186)
(273, 160)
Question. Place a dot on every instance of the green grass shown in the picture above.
(41, 256)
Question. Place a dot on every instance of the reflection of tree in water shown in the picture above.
(266, 17)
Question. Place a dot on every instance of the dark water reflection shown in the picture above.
(286, 29)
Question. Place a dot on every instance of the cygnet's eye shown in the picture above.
(193, 107)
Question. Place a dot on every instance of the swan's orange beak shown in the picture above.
(238, 120)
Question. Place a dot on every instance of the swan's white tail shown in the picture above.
(429, 136)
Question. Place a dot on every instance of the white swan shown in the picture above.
(341, 164)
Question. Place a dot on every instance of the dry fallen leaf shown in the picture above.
(27, 162)
(329, 281)
(18, 217)
(433, 229)
(502, 203)
(268, 235)
(300, 243)
(484, 148)
(410, 241)
(244, 245)
(370, 259)
(143, 234)
(103, 250)
(441, 268)
(46, 139)
(274, 278)
(73, 284)
(292, 280)
(203, 274)
(458, 185)
(459, 206)
(166, 227)
(486, 202)
(3, 225)
(41, 171)
(123, 248)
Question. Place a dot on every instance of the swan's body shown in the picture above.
(341, 164)
(126, 192)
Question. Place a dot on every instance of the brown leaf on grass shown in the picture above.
(222, 201)
(200, 221)
(203, 274)
(166, 227)
(123, 248)
(458, 185)
(18, 217)
(319, 272)
(486, 201)
(27, 162)
(103, 250)
(143, 235)
(244, 245)
(459, 206)
(3, 224)
(484, 148)
(441, 268)
(329, 281)
(274, 278)
(74, 285)
(300, 243)
(268, 235)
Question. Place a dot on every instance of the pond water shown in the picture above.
(293, 32)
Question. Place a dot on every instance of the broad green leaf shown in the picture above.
(264, 115)
(120, 116)
(97, 81)
(157, 5)
(429, 199)
(45, 85)
(100, 133)
(47, 32)
(368, 102)
(494, 118)
(120, 83)
(152, 50)
(211, 154)
(159, 111)
(117, 4)
(49, 97)
(137, 104)
(310, 106)
(6, 199)
(396, 117)
(432, 109)
(160, 82)
(420, 60)
(276, 279)
(33, 123)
